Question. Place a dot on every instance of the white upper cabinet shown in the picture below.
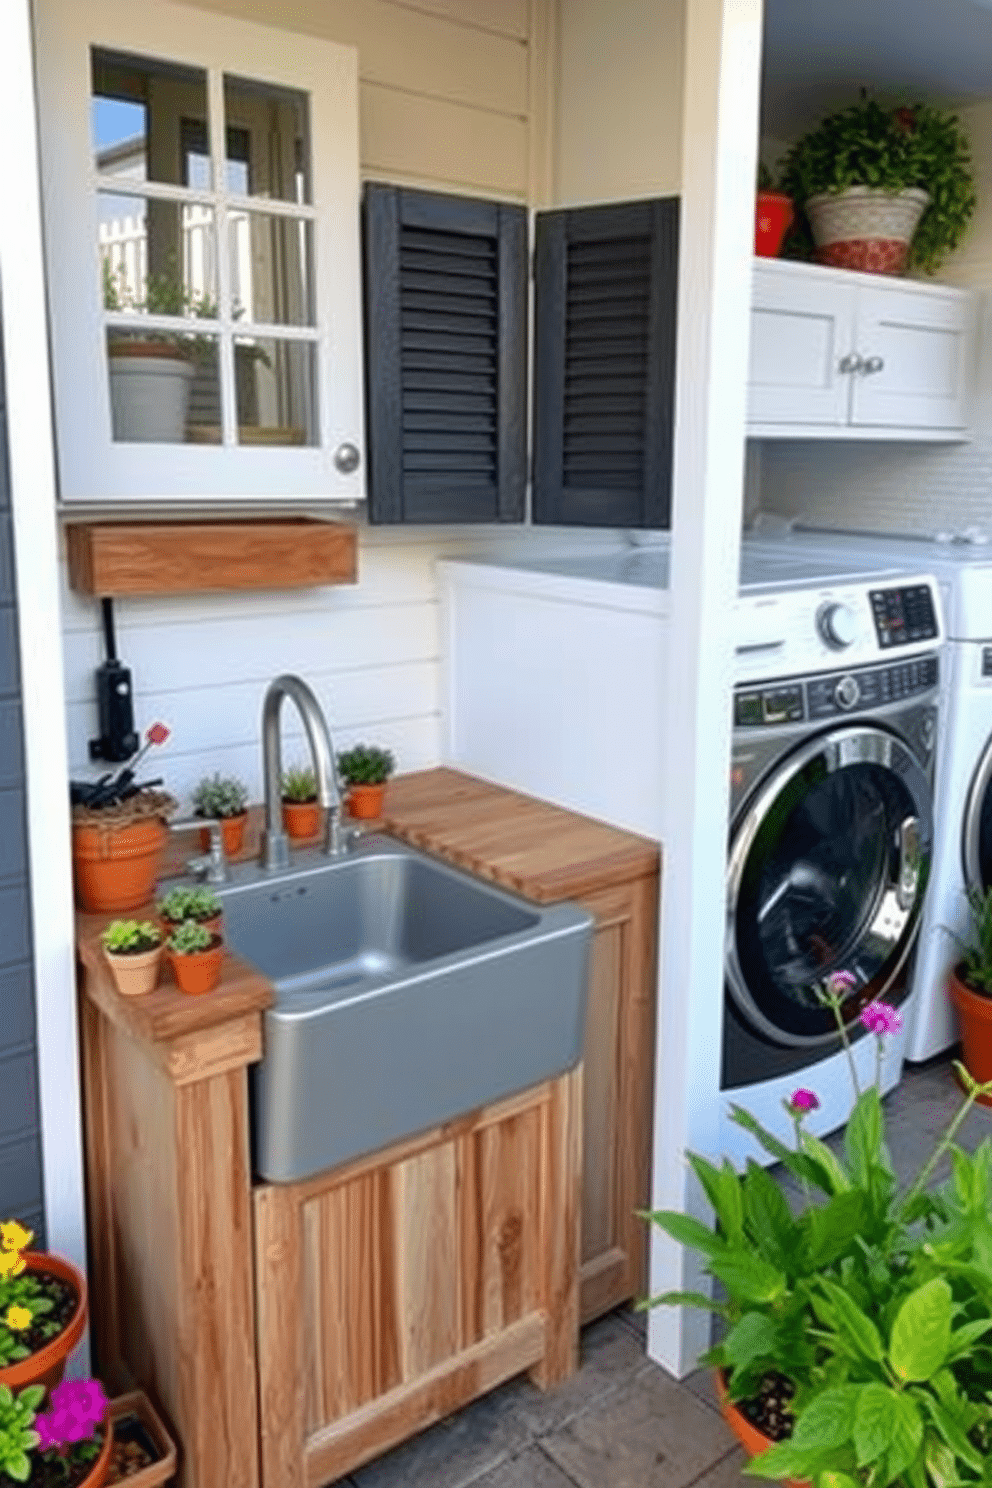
(836, 355)
(201, 199)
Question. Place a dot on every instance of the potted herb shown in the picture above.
(43, 1309)
(182, 903)
(773, 214)
(67, 1446)
(858, 1341)
(133, 949)
(195, 955)
(365, 770)
(300, 811)
(118, 835)
(883, 188)
(224, 797)
(970, 986)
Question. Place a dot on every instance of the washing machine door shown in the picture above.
(827, 866)
(976, 835)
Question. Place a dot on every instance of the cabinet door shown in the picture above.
(801, 330)
(915, 351)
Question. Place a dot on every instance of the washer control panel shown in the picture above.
(903, 615)
(833, 694)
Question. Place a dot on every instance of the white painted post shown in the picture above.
(32, 476)
(720, 130)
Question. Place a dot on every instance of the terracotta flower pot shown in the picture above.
(135, 973)
(975, 1017)
(365, 801)
(232, 832)
(301, 819)
(773, 214)
(197, 972)
(116, 867)
(97, 1475)
(47, 1365)
(214, 924)
(134, 1417)
(751, 1439)
(865, 227)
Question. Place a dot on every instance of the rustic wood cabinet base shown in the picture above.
(394, 1290)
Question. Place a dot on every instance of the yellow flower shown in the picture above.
(14, 1236)
(10, 1263)
(17, 1317)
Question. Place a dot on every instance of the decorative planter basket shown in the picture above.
(865, 227)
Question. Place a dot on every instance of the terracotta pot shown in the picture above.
(97, 1475)
(135, 1410)
(47, 1365)
(975, 1017)
(214, 925)
(301, 819)
(751, 1439)
(365, 801)
(134, 973)
(773, 214)
(197, 972)
(865, 227)
(116, 868)
(232, 832)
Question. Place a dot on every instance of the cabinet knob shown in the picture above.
(873, 364)
(851, 363)
(347, 458)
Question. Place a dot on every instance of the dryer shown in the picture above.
(831, 839)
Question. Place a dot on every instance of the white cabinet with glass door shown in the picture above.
(200, 182)
(838, 355)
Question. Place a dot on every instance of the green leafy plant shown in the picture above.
(189, 937)
(891, 148)
(299, 784)
(220, 795)
(365, 764)
(130, 937)
(183, 903)
(873, 1303)
(976, 951)
(22, 1296)
(64, 1436)
(17, 1434)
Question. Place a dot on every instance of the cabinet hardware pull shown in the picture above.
(873, 364)
(347, 458)
(851, 363)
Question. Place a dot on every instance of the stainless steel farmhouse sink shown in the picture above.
(407, 992)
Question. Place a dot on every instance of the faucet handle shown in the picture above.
(211, 866)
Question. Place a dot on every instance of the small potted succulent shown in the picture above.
(300, 810)
(226, 798)
(67, 1446)
(182, 903)
(43, 1310)
(133, 949)
(970, 986)
(195, 956)
(118, 835)
(365, 769)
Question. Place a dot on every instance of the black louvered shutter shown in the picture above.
(446, 357)
(605, 284)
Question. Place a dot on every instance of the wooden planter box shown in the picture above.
(133, 1414)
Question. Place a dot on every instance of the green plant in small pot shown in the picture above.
(365, 769)
(133, 950)
(43, 1310)
(224, 798)
(196, 956)
(969, 984)
(183, 903)
(66, 1446)
(300, 808)
(882, 188)
(773, 215)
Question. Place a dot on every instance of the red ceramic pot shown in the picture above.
(773, 216)
(975, 1017)
(751, 1439)
(365, 801)
(301, 819)
(197, 972)
(47, 1365)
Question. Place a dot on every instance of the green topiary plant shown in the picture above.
(365, 764)
(892, 149)
(299, 784)
(130, 937)
(189, 937)
(220, 796)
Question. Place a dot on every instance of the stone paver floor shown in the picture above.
(622, 1422)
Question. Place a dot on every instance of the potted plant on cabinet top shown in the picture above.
(195, 955)
(118, 834)
(883, 188)
(224, 797)
(133, 950)
(970, 987)
(43, 1309)
(773, 214)
(67, 1446)
(200, 904)
(858, 1343)
(365, 770)
(300, 810)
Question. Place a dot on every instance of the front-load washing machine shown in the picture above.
(834, 728)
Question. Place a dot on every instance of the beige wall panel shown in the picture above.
(620, 100)
(508, 17)
(427, 141)
(403, 48)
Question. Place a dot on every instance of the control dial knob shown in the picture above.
(837, 624)
(847, 692)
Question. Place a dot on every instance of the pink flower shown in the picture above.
(157, 734)
(76, 1408)
(879, 1017)
(839, 982)
(803, 1100)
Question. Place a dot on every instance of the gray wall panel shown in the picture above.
(11, 747)
(13, 847)
(10, 677)
(19, 1107)
(15, 938)
(20, 1176)
(17, 1020)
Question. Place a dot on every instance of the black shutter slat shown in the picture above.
(605, 299)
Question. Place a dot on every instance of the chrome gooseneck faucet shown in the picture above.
(275, 845)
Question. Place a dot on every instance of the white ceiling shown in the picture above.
(819, 54)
